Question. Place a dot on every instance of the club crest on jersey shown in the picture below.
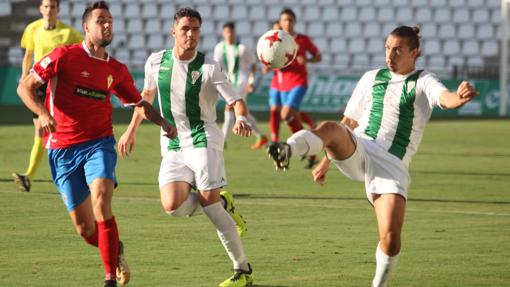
(45, 62)
(194, 76)
(411, 85)
(110, 80)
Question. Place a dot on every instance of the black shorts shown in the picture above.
(41, 94)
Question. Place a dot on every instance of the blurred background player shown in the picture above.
(241, 66)
(39, 38)
(77, 123)
(289, 85)
(187, 84)
(381, 130)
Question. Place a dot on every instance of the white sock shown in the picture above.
(385, 265)
(228, 235)
(190, 207)
(228, 123)
(305, 143)
(254, 125)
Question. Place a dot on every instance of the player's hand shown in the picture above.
(250, 88)
(301, 60)
(319, 172)
(126, 144)
(266, 69)
(47, 123)
(170, 130)
(466, 92)
(242, 128)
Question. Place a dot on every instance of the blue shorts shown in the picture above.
(292, 98)
(75, 167)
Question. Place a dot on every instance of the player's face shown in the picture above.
(49, 9)
(186, 33)
(400, 58)
(99, 27)
(229, 35)
(287, 23)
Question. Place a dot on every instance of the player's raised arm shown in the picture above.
(27, 92)
(452, 100)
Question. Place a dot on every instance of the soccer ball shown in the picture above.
(276, 48)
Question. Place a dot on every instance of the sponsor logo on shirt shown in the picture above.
(90, 93)
(165, 68)
(45, 62)
(194, 76)
(411, 85)
(110, 80)
(85, 74)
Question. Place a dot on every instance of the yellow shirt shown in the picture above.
(41, 41)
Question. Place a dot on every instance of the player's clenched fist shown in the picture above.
(170, 130)
(242, 128)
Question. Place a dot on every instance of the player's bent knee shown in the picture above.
(85, 230)
(390, 242)
(329, 131)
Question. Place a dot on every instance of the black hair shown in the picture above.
(93, 6)
(187, 12)
(230, 25)
(288, 11)
(412, 34)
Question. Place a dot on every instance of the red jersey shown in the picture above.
(295, 74)
(78, 94)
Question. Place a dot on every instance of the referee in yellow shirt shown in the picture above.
(39, 38)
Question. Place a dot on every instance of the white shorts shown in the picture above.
(202, 168)
(381, 171)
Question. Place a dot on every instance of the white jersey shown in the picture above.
(393, 109)
(187, 94)
(237, 60)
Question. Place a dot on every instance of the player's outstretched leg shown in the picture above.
(228, 204)
(240, 278)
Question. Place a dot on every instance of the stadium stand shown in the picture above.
(457, 33)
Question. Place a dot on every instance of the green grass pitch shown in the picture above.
(456, 233)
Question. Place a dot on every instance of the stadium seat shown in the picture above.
(386, 14)
(65, 9)
(432, 47)
(260, 28)
(206, 12)
(131, 11)
(249, 42)
(363, 3)
(451, 48)
(470, 48)
(466, 31)
(453, 61)
(457, 3)
(167, 11)
(436, 63)
(490, 48)
(153, 26)
(115, 10)
(136, 41)
(221, 12)
(378, 61)
(423, 15)
(208, 43)
(375, 46)
(360, 61)
(15, 55)
(367, 14)
(119, 40)
(496, 17)
(149, 10)
(485, 32)
(428, 30)
(348, 14)
(273, 13)
(243, 28)
(481, 3)
(301, 27)
(333, 29)
(239, 12)
(476, 61)
(356, 46)
(480, 16)
(312, 14)
(330, 14)
(77, 10)
(442, 15)
(316, 29)
(353, 29)
(338, 45)
(438, 3)
(257, 13)
(372, 29)
(447, 31)
(322, 43)
(405, 15)
(342, 60)
(208, 27)
(461, 15)
(415, 3)
(381, 3)
(122, 55)
(134, 25)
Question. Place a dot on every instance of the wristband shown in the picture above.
(241, 118)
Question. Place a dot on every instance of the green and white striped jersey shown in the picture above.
(394, 109)
(237, 60)
(187, 93)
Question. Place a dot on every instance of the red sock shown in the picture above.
(295, 125)
(274, 125)
(93, 239)
(109, 245)
(307, 119)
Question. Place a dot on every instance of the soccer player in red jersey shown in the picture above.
(289, 85)
(77, 122)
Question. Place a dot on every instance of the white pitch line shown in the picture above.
(269, 202)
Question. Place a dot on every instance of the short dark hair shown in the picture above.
(288, 11)
(93, 6)
(230, 25)
(412, 34)
(58, 2)
(187, 12)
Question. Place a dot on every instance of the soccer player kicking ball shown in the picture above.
(187, 84)
(382, 127)
(241, 65)
(77, 123)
